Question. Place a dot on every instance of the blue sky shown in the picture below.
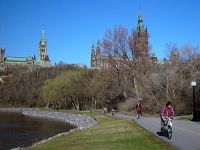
(71, 26)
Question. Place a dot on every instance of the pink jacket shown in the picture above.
(166, 112)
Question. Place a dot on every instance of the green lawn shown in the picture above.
(111, 133)
(185, 118)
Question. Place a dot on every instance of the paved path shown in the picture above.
(186, 134)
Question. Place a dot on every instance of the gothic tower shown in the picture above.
(2, 56)
(175, 57)
(141, 50)
(93, 59)
(43, 48)
(98, 49)
(98, 55)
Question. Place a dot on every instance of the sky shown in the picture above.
(72, 26)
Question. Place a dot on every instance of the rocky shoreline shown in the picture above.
(79, 121)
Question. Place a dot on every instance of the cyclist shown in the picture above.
(139, 110)
(166, 112)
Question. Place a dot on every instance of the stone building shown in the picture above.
(140, 46)
(98, 60)
(29, 61)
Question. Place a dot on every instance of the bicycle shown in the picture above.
(167, 128)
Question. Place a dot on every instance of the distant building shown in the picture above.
(141, 45)
(43, 57)
(29, 61)
(141, 49)
(98, 60)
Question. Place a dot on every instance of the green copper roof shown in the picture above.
(140, 13)
(10, 59)
(43, 37)
(153, 55)
(140, 26)
(29, 58)
(15, 59)
(92, 46)
(40, 62)
(98, 43)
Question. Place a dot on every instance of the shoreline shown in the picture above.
(79, 121)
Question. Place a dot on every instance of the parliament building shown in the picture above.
(141, 54)
(7, 62)
(140, 46)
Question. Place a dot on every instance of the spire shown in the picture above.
(153, 55)
(92, 53)
(34, 57)
(98, 43)
(43, 37)
(92, 46)
(139, 14)
(98, 48)
(140, 26)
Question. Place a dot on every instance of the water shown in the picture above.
(17, 130)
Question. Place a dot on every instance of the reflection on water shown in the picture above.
(17, 130)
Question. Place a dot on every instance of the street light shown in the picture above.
(193, 84)
(108, 106)
(90, 103)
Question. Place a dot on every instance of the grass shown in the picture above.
(184, 118)
(109, 134)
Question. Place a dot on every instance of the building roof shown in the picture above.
(43, 37)
(39, 62)
(18, 60)
(15, 59)
(153, 55)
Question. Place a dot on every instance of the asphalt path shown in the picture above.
(186, 134)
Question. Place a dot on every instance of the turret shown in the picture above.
(154, 58)
(98, 49)
(93, 50)
(2, 55)
(93, 56)
(116, 53)
(175, 56)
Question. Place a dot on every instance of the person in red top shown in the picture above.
(139, 110)
(167, 112)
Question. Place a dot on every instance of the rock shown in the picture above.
(18, 148)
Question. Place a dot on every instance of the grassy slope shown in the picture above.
(111, 133)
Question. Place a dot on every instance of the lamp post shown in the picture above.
(91, 107)
(108, 105)
(193, 84)
(141, 105)
(81, 106)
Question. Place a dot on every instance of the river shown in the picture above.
(17, 130)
